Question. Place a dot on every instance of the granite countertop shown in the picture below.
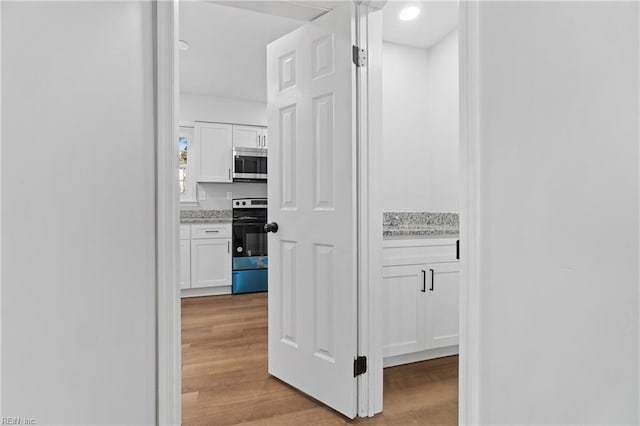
(205, 216)
(420, 225)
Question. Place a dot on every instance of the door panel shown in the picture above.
(312, 193)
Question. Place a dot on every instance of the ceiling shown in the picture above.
(227, 57)
(436, 19)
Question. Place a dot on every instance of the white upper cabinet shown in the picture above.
(213, 152)
(249, 137)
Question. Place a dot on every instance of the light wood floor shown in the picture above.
(225, 379)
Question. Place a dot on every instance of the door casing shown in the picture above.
(169, 378)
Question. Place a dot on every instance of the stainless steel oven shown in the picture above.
(249, 164)
(250, 261)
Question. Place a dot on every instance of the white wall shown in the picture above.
(443, 188)
(216, 193)
(78, 324)
(420, 127)
(222, 110)
(559, 213)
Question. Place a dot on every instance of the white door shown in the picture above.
(247, 137)
(312, 196)
(213, 152)
(210, 262)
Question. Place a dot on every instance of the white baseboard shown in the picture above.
(205, 291)
(393, 361)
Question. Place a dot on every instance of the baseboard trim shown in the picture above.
(205, 291)
(393, 361)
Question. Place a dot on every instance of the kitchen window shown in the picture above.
(187, 184)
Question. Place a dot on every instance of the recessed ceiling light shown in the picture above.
(183, 45)
(409, 13)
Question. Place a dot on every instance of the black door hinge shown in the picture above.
(359, 56)
(359, 366)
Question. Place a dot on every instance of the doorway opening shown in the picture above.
(223, 153)
(214, 190)
(420, 283)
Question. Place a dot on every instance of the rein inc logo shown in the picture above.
(17, 421)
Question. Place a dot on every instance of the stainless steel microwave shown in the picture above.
(249, 164)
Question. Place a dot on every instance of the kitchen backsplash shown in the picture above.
(216, 194)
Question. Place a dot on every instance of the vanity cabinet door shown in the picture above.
(404, 309)
(443, 304)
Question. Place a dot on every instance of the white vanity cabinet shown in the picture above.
(205, 259)
(420, 290)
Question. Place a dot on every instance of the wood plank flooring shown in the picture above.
(225, 379)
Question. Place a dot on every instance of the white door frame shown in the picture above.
(468, 54)
(369, 154)
(168, 363)
(168, 344)
(370, 157)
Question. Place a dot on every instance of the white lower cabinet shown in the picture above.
(210, 262)
(205, 259)
(420, 283)
(185, 264)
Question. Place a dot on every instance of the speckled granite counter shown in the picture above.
(420, 225)
(205, 216)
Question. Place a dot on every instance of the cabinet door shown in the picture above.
(210, 262)
(185, 264)
(247, 136)
(443, 304)
(265, 139)
(403, 310)
(213, 152)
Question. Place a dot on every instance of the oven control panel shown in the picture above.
(248, 203)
